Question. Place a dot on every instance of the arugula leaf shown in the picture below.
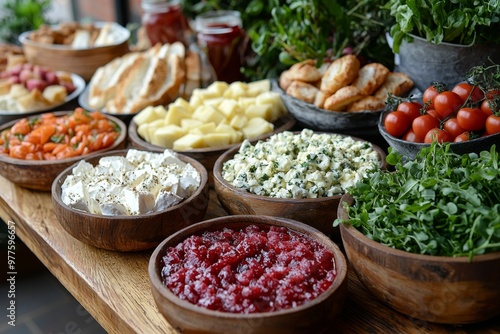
(440, 203)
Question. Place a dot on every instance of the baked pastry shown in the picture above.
(367, 103)
(285, 80)
(342, 98)
(396, 83)
(371, 77)
(303, 91)
(319, 100)
(340, 73)
(305, 71)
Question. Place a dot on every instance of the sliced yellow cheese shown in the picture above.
(189, 123)
(238, 122)
(166, 136)
(236, 136)
(149, 114)
(218, 87)
(230, 108)
(264, 111)
(257, 126)
(188, 142)
(203, 129)
(217, 139)
(175, 115)
(208, 114)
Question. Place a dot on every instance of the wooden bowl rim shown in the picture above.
(59, 180)
(388, 137)
(24, 39)
(226, 221)
(34, 163)
(356, 234)
(288, 122)
(217, 172)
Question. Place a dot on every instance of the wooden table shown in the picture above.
(114, 287)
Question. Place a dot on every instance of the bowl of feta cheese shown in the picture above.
(130, 200)
(296, 175)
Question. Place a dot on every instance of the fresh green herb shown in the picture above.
(456, 21)
(57, 139)
(440, 203)
(20, 16)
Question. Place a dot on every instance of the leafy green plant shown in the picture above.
(283, 32)
(19, 16)
(440, 203)
(453, 21)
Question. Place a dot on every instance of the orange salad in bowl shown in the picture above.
(51, 137)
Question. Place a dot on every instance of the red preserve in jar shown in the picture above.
(250, 270)
(164, 21)
(220, 36)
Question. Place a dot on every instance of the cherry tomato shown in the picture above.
(492, 93)
(493, 124)
(423, 124)
(485, 107)
(434, 114)
(428, 96)
(437, 135)
(462, 137)
(471, 119)
(451, 126)
(465, 90)
(411, 109)
(397, 123)
(412, 137)
(447, 103)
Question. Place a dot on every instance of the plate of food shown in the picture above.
(27, 89)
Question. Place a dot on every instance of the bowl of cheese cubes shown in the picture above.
(296, 175)
(130, 200)
(214, 120)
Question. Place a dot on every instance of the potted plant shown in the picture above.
(439, 40)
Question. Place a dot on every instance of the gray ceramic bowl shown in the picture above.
(410, 149)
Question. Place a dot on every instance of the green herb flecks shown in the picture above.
(440, 203)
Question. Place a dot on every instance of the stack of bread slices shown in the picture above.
(344, 85)
(128, 84)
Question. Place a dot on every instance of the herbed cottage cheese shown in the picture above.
(138, 183)
(304, 165)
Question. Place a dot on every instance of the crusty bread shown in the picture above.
(342, 98)
(303, 91)
(396, 83)
(193, 73)
(371, 77)
(133, 82)
(340, 73)
(304, 71)
(367, 103)
(285, 80)
(319, 100)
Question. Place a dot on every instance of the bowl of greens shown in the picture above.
(428, 243)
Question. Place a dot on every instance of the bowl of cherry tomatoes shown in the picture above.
(466, 116)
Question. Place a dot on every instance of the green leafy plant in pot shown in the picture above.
(440, 40)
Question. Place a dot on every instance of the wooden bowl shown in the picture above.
(207, 156)
(129, 233)
(431, 288)
(410, 150)
(312, 317)
(316, 212)
(83, 62)
(39, 174)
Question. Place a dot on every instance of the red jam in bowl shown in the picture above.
(248, 271)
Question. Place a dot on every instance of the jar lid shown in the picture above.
(218, 21)
(158, 4)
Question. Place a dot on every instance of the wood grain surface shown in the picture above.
(114, 286)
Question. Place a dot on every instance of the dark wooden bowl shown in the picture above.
(410, 149)
(83, 62)
(312, 317)
(39, 174)
(316, 212)
(207, 156)
(431, 288)
(129, 233)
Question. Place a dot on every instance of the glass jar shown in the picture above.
(164, 21)
(220, 35)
